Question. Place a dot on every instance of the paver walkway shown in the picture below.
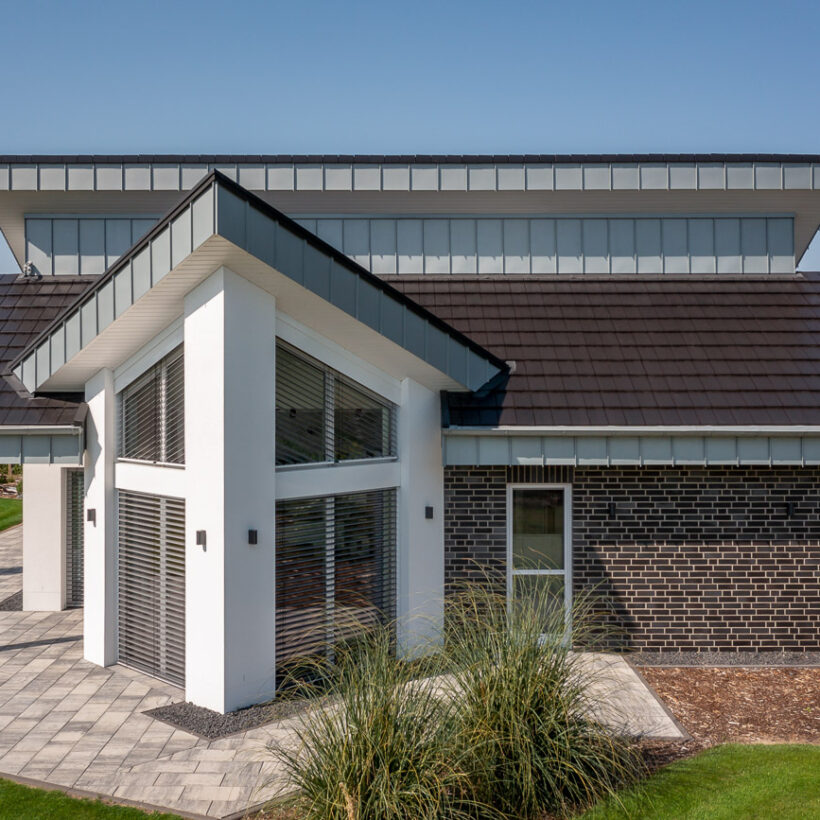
(11, 561)
(70, 723)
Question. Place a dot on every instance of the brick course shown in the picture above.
(694, 558)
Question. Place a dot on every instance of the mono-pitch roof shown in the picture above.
(636, 351)
(220, 212)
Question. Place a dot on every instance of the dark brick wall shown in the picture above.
(694, 558)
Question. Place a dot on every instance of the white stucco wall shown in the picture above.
(229, 451)
(100, 551)
(421, 540)
(43, 538)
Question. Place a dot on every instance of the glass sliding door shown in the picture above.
(539, 548)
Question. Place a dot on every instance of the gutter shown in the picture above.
(705, 430)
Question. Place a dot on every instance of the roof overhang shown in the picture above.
(221, 224)
(553, 184)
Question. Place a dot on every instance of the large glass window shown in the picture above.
(321, 416)
(335, 572)
(152, 413)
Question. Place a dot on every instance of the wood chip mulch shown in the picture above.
(736, 705)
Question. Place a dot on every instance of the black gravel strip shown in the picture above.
(14, 603)
(748, 659)
(210, 725)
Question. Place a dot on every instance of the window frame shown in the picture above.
(332, 376)
(566, 572)
(158, 371)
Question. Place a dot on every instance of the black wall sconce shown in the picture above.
(790, 509)
(612, 510)
(201, 540)
(428, 513)
(253, 537)
(91, 516)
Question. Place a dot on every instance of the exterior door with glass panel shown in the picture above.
(539, 546)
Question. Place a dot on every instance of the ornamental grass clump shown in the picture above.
(524, 713)
(380, 746)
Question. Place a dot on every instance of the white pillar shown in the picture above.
(100, 550)
(421, 539)
(44, 538)
(230, 476)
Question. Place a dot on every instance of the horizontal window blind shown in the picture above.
(74, 558)
(151, 584)
(152, 413)
(335, 573)
(322, 416)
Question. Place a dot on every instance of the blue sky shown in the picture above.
(421, 77)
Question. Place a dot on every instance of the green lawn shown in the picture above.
(24, 803)
(727, 783)
(11, 512)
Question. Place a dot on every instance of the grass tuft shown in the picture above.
(525, 710)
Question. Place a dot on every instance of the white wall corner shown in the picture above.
(421, 539)
(100, 548)
(44, 538)
(229, 331)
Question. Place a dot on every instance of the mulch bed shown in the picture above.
(742, 705)
(14, 603)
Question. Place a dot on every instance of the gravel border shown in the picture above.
(210, 725)
(725, 659)
(14, 603)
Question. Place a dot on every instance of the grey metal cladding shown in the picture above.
(181, 237)
(238, 216)
(343, 287)
(261, 239)
(41, 449)
(160, 255)
(141, 271)
(58, 348)
(72, 335)
(290, 251)
(202, 217)
(231, 217)
(123, 294)
(88, 321)
(367, 305)
(672, 449)
(316, 276)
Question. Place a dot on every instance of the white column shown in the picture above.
(421, 539)
(43, 538)
(100, 550)
(230, 475)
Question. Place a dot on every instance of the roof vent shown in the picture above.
(30, 271)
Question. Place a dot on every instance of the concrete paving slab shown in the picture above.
(69, 724)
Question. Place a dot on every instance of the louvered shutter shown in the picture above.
(322, 416)
(152, 413)
(335, 572)
(74, 492)
(151, 575)
(302, 433)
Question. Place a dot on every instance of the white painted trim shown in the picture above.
(149, 478)
(338, 479)
(567, 571)
(334, 355)
(159, 347)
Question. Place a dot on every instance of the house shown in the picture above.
(246, 432)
